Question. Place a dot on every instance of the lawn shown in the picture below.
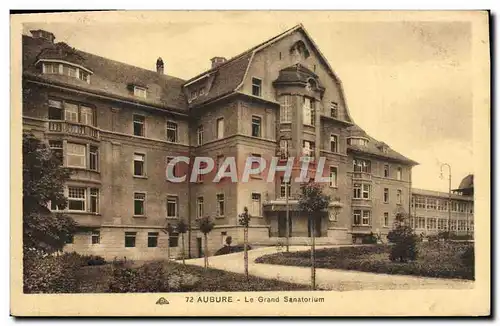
(97, 279)
(436, 259)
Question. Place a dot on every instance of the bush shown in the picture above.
(467, 257)
(153, 277)
(231, 249)
(405, 244)
(369, 239)
(50, 274)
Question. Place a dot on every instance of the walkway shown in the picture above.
(327, 279)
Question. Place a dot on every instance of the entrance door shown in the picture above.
(199, 246)
(282, 224)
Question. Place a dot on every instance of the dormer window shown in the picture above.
(64, 68)
(358, 141)
(140, 91)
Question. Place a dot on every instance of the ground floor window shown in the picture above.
(361, 217)
(442, 224)
(431, 223)
(453, 224)
(139, 199)
(386, 219)
(76, 199)
(130, 239)
(471, 225)
(96, 237)
(173, 240)
(152, 239)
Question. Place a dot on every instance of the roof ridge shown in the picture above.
(242, 54)
(105, 58)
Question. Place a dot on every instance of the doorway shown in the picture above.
(199, 245)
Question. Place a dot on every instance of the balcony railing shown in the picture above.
(361, 175)
(73, 128)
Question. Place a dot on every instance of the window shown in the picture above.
(357, 191)
(56, 110)
(76, 157)
(51, 68)
(139, 170)
(431, 223)
(366, 191)
(76, 199)
(130, 239)
(220, 204)
(83, 75)
(219, 162)
(419, 202)
(140, 92)
(308, 112)
(94, 158)
(139, 199)
(283, 149)
(193, 95)
(200, 177)
(361, 217)
(172, 132)
(220, 128)
(87, 115)
(256, 205)
(420, 223)
(199, 133)
(334, 143)
(362, 165)
(357, 217)
(400, 173)
(201, 91)
(256, 87)
(69, 71)
(453, 224)
(471, 225)
(285, 109)
(56, 147)
(440, 205)
(431, 203)
(174, 168)
(256, 122)
(308, 149)
(139, 122)
(173, 240)
(172, 207)
(95, 237)
(386, 170)
(442, 225)
(333, 176)
(255, 165)
(386, 195)
(152, 239)
(199, 207)
(94, 200)
(283, 188)
(334, 110)
(71, 112)
(398, 197)
(386, 219)
(366, 218)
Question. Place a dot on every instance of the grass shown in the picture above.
(95, 279)
(439, 259)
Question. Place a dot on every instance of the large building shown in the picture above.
(116, 126)
(433, 211)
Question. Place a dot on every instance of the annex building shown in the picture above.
(116, 126)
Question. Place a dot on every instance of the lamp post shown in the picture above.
(449, 192)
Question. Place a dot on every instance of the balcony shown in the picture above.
(73, 129)
(362, 176)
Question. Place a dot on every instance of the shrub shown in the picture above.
(467, 257)
(369, 239)
(405, 244)
(153, 277)
(231, 249)
(50, 274)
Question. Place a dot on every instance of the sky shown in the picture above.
(407, 83)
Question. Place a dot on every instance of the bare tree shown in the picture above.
(206, 225)
(182, 228)
(244, 219)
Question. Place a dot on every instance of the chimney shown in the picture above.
(40, 33)
(217, 61)
(159, 66)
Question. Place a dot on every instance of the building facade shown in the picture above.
(117, 126)
(433, 211)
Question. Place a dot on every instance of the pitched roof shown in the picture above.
(110, 77)
(375, 147)
(467, 182)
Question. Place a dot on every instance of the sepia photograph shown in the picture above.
(283, 161)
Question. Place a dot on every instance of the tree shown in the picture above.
(244, 220)
(170, 230)
(229, 241)
(182, 228)
(404, 240)
(43, 183)
(313, 202)
(206, 225)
